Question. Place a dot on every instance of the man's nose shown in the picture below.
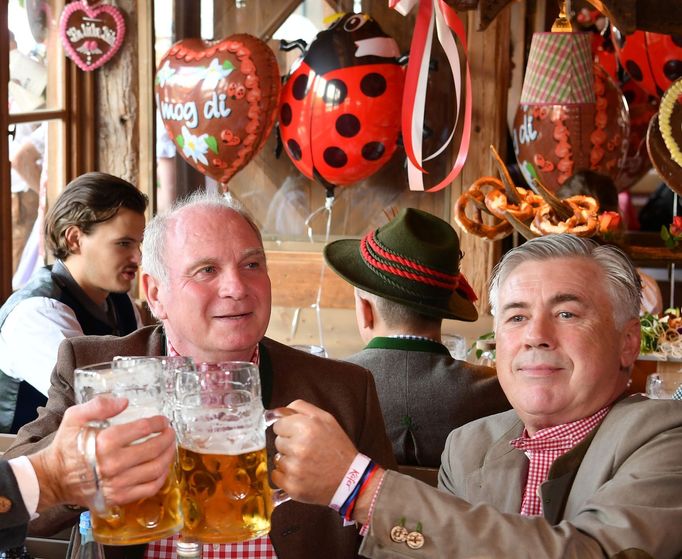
(539, 332)
(232, 284)
(137, 255)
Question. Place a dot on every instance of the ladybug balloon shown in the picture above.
(652, 60)
(341, 104)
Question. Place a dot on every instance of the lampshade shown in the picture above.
(559, 70)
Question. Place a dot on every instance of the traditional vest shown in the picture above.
(18, 399)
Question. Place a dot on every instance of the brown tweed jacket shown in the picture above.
(298, 531)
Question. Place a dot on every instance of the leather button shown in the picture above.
(415, 540)
(399, 534)
(5, 504)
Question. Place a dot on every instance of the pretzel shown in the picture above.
(584, 204)
(474, 198)
(583, 222)
(498, 204)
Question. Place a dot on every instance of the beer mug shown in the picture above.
(665, 385)
(140, 380)
(171, 368)
(220, 423)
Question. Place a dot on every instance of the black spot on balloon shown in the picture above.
(285, 114)
(335, 157)
(373, 85)
(300, 87)
(294, 150)
(335, 92)
(673, 69)
(372, 151)
(633, 70)
(677, 40)
(348, 125)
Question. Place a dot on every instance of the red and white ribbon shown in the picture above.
(450, 32)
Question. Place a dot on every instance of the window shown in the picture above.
(46, 144)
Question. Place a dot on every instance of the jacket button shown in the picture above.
(5, 504)
(415, 540)
(399, 534)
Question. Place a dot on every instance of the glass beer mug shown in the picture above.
(140, 380)
(220, 423)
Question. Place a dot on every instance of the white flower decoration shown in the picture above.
(215, 72)
(194, 147)
(165, 73)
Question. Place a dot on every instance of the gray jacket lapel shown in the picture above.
(492, 482)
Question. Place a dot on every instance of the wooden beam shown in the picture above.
(5, 194)
(489, 62)
(118, 105)
(146, 117)
(187, 24)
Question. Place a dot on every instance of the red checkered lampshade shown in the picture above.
(559, 70)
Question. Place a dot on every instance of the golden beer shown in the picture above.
(142, 521)
(225, 498)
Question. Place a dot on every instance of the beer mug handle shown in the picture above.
(87, 446)
(279, 496)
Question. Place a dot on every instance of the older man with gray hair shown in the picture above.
(576, 470)
(205, 278)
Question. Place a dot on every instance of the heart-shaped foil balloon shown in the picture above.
(91, 35)
(218, 101)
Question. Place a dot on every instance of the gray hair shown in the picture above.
(623, 284)
(155, 234)
(397, 315)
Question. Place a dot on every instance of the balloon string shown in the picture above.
(327, 208)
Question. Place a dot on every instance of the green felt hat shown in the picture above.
(412, 260)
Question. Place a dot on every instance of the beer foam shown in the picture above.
(132, 413)
(225, 448)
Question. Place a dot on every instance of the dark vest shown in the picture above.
(18, 399)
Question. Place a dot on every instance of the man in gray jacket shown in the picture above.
(576, 470)
(407, 280)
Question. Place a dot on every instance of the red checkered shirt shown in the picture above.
(260, 548)
(543, 448)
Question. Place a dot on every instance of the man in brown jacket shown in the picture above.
(206, 280)
(575, 470)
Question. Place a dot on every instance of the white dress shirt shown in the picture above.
(30, 338)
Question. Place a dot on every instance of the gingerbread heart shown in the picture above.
(91, 35)
(218, 100)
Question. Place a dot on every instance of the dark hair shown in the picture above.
(592, 184)
(88, 200)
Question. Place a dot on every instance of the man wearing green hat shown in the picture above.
(407, 280)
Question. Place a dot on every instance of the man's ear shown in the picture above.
(631, 343)
(73, 235)
(366, 313)
(151, 288)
